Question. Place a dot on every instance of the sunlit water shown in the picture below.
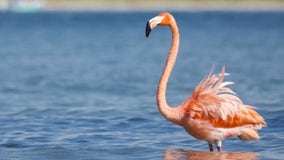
(82, 85)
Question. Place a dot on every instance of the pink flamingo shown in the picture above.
(213, 112)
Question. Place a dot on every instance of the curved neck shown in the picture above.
(168, 112)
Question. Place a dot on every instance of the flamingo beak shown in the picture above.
(148, 29)
(152, 23)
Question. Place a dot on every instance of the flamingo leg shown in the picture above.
(219, 149)
(210, 146)
(219, 145)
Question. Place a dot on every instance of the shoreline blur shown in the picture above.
(178, 5)
(139, 5)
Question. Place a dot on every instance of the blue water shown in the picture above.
(81, 85)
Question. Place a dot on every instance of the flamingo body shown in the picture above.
(213, 112)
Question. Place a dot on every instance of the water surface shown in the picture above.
(81, 85)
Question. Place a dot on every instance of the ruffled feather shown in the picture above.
(213, 101)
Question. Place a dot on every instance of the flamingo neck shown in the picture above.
(171, 114)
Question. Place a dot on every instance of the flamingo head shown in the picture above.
(163, 19)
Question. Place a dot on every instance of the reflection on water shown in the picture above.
(179, 154)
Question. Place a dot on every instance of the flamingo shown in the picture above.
(213, 112)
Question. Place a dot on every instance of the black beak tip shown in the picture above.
(148, 29)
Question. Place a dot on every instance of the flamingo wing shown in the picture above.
(213, 101)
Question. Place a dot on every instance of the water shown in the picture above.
(82, 85)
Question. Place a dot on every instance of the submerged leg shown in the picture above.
(219, 149)
(210, 146)
(219, 145)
